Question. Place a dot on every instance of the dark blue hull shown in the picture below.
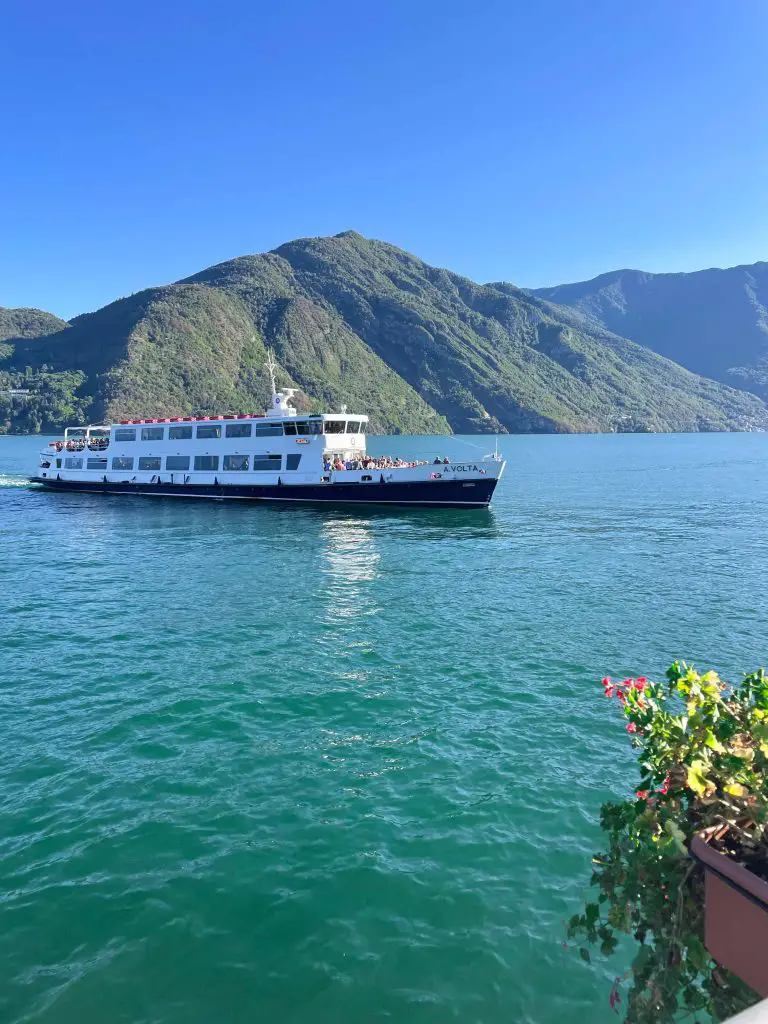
(432, 494)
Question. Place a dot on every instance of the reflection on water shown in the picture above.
(349, 561)
(94, 514)
(426, 523)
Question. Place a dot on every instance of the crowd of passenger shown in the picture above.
(369, 462)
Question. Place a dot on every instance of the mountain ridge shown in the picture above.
(355, 320)
(713, 322)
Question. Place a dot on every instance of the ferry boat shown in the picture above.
(280, 455)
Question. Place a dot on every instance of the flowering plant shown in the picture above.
(703, 753)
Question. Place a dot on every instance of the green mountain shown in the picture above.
(361, 322)
(46, 400)
(27, 323)
(714, 322)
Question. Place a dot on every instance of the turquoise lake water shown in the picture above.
(304, 765)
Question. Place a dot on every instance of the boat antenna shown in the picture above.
(272, 370)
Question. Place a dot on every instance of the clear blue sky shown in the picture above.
(532, 142)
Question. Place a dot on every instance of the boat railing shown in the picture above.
(377, 463)
(78, 444)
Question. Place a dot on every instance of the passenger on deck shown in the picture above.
(338, 465)
(326, 465)
(446, 461)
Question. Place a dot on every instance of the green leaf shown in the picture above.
(697, 953)
(678, 837)
(697, 779)
(713, 743)
(735, 789)
(644, 954)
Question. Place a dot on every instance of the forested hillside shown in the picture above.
(714, 322)
(46, 399)
(360, 322)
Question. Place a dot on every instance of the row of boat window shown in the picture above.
(209, 431)
(181, 463)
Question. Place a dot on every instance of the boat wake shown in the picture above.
(13, 481)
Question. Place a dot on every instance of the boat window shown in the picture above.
(236, 463)
(73, 463)
(75, 432)
(125, 435)
(176, 462)
(268, 429)
(353, 427)
(266, 463)
(152, 433)
(209, 431)
(335, 426)
(179, 433)
(292, 461)
(303, 429)
(290, 428)
(96, 464)
(150, 462)
(122, 462)
(315, 426)
(206, 462)
(363, 425)
(366, 478)
(58, 463)
(238, 430)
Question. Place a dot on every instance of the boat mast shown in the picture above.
(272, 370)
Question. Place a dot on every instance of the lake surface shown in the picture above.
(303, 765)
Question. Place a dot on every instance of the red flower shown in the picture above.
(642, 794)
(665, 787)
(631, 727)
(614, 998)
(620, 690)
(609, 687)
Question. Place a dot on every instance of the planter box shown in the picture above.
(735, 917)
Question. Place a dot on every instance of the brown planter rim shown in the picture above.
(735, 875)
